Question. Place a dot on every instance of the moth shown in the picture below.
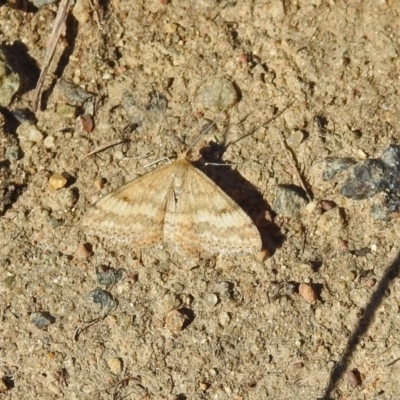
(177, 205)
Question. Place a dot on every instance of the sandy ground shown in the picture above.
(321, 77)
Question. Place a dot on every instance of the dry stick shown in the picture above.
(61, 17)
(104, 147)
(83, 326)
(293, 165)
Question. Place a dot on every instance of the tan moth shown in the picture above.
(177, 205)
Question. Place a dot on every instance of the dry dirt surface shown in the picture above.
(288, 84)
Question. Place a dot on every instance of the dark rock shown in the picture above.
(373, 176)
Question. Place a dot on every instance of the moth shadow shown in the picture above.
(243, 192)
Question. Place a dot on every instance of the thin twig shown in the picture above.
(104, 147)
(80, 328)
(293, 165)
(214, 122)
(61, 17)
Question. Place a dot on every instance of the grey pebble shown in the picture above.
(289, 200)
(73, 92)
(42, 319)
(107, 276)
(105, 299)
(12, 153)
(375, 175)
(218, 94)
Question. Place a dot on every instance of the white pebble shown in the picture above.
(211, 299)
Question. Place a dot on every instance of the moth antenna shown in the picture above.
(205, 132)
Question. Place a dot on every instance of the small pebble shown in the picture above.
(73, 92)
(364, 251)
(361, 155)
(55, 222)
(244, 59)
(327, 205)
(175, 321)
(170, 28)
(107, 75)
(211, 299)
(42, 319)
(66, 110)
(10, 282)
(224, 318)
(295, 139)
(66, 199)
(115, 365)
(22, 115)
(349, 276)
(34, 135)
(170, 302)
(53, 387)
(99, 184)
(83, 252)
(100, 296)
(107, 276)
(353, 378)
(177, 287)
(297, 365)
(370, 282)
(308, 293)
(217, 94)
(49, 142)
(204, 386)
(57, 181)
(87, 123)
(289, 200)
(27, 131)
(12, 153)
(118, 155)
